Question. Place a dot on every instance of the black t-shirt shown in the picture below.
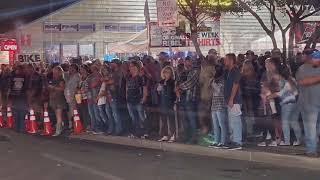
(135, 89)
(168, 95)
(18, 85)
(232, 76)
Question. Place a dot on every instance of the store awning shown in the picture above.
(136, 43)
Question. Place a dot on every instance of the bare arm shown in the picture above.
(309, 81)
(234, 91)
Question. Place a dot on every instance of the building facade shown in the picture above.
(88, 27)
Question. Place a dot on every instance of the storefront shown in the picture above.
(8, 51)
(91, 28)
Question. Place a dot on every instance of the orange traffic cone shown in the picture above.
(10, 121)
(26, 123)
(1, 120)
(77, 127)
(33, 123)
(47, 127)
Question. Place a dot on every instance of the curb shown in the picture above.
(292, 161)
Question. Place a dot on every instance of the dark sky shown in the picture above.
(15, 12)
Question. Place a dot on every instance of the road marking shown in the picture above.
(105, 175)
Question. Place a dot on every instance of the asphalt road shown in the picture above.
(30, 157)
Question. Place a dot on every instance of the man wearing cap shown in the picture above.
(308, 77)
(163, 58)
(207, 72)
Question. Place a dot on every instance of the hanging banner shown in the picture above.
(4, 57)
(208, 35)
(167, 12)
(305, 30)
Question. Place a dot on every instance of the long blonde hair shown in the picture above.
(170, 68)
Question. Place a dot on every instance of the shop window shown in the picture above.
(86, 50)
(69, 51)
(52, 52)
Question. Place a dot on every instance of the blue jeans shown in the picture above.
(189, 122)
(310, 116)
(96, 121)
(103, 116)
(235, 127)
(18, 118)
(114, 123)
(219, 123)
(290, 118)
(138, 118)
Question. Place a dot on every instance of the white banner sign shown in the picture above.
(4, 57)
(208, 35)
(167, 11)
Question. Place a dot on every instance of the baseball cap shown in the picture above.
(249, 52)
(309, 51)
(316, 55)
(163, 54)
(212, 51)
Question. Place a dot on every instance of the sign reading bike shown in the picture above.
(167, 11)
(29, 58)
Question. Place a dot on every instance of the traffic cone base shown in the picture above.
(33, 123)
(1, 120)
(77, 127)
(10, 121)
(47, 126)
(26, 123)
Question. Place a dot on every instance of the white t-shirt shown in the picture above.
(103, 100)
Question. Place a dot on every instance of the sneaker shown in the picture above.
(214, 145)
(312, 155)
(97, 133)
(296, 143)
(172, 139)
(282, 143)
(273, 144)
(132, 136)
(145, 136)
(235, 146)
(262, 144)
(164, 138)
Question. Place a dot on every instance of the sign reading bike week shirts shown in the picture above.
(167, 12)
(208, 35)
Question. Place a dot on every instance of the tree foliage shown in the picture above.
(295, 10)
(197, 11)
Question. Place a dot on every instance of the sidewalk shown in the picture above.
(247, 154)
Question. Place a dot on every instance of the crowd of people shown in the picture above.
(231, 97)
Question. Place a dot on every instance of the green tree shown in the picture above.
(197, 11)
(295, 10)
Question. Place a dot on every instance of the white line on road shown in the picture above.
(105, 175)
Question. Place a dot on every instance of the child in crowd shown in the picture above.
(166, 89)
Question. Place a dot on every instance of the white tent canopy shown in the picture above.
(265, 44)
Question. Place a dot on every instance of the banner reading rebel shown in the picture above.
(167, 12)
(208, 35)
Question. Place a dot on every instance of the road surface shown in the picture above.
(31, 157)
